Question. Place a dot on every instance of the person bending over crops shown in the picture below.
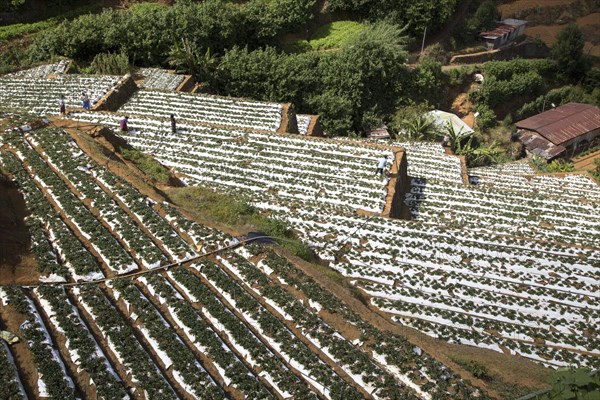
(124, 127)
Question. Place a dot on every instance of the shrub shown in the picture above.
(111, 64)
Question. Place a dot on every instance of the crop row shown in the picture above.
(104, 243)
(199, 332)
(399, 357)
(123, 343)
(356, 363)
(205, 109)
(75, 170)
(81, 346)
(156, 78)
(11, 387)
(41, 95)
(254, 161)
(54, 381)
(186, 369)
(41, 71)
(58, 252)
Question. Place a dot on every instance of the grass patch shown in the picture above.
(335, 34)
(9, 32)
(237, 213)
(148, 165)
(481, 371)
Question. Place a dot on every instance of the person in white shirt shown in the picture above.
(381, 165)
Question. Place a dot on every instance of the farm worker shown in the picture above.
(63, 105)
(381, 165)
(86, 102)
(173, 124)
(124, 127)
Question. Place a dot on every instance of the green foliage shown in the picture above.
(11, 5)
(479, 155)
(426, 82)
(596, 172)
(185, 58)
(486, 118)
(559, 96)
(415, 14)
(507, 80)
(239, 213)
(573, 384)
(506, 70)
(485, 17)
(347, 87)
(478, 370)
(148, 165)
(568, 53)
(419, 127)
(12, 31)
(554, 166)
(459, 76)
(335, 34)
(148, 32)
(111, 64)
(12, 58)
(435, 53)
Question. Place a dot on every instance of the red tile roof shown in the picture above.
(563, 123)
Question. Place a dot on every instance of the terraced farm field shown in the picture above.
(137, 300)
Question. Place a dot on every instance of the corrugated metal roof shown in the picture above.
(563, 123)
(539, 146)
(498, 31)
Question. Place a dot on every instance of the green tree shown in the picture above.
(11, 5)
(185, 58)
(419, 128)
(568, 53)
(484, 18)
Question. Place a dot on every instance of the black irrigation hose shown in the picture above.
(161, 268)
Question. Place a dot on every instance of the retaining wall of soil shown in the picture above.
(398, 185)
(288, 119)
(117, 96)
(187, 85)
(315, 128)
(522, 50)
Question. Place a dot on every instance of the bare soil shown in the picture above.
(560, 13)
(17, 263)
(11, 320)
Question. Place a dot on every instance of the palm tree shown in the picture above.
(186, 58)
(419, 128)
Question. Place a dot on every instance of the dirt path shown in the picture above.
(17, 263)
(10, 321)
(586, 162)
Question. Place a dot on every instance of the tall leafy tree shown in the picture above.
(568, 53)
